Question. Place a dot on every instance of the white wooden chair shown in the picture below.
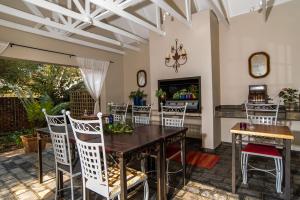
(269, 151)
(171, 116)
(141, 114)
(96, 175)
(119, 111)
(61, 146)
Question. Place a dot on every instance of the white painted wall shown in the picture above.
(197, 42)
(248, 33)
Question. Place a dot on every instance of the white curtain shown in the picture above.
(93, 73)
(3, 46)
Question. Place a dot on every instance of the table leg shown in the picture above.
(40, 158)
(123, 177)
(287, 145)
(163, 170)
(183, 149)
(233, 164)
(158, 173)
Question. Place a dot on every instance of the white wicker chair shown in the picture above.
(96, 176)
(141, 114)
(119, 111)
(60, 140)
(259, 149)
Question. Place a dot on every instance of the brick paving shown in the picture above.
(18, 179)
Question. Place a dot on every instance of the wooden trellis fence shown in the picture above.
(81, 101)
(12, 115)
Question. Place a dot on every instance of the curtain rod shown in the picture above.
(57, 52)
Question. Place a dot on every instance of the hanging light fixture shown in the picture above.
(177, 57)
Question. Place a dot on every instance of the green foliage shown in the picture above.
(137, 93)
(289, 95)
(160, 94)
(34, 107)
(42, 79)
(14, 137)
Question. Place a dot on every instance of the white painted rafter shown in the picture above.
(122, 5)
(48, 22)
(118, 11)
(158, 18)
(219, 14)
(33, 9)
(166, 7)
(79, 6)
(83, 18)
(188, 10)
(28, 29)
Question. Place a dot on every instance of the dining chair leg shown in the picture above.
(72, 188)
(146, 190)
(57, 183)
(83, 189)
(167, 176)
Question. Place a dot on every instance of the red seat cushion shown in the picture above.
(261, 149)
(172, 149)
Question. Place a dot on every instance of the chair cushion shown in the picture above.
(260, 149)
(173, 150)
(134, 177)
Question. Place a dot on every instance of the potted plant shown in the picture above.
(36, 118)
(161, 95)
(290, 98)
(137, 97)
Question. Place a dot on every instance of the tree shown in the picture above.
(41, 79)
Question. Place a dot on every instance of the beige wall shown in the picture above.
(132, 63)
(196, 41)
(248, 33)
(112, 91)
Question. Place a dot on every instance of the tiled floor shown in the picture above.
(18, 179)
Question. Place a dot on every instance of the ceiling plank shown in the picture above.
(166, 7)
(28, 29)
(122, 13)
(218, 12)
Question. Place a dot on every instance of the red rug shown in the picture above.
(200, 159)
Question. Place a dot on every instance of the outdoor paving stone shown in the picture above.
(28, 196)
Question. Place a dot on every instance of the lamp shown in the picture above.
(178, 56)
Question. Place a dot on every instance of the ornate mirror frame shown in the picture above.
(251, 64)
(141, 78)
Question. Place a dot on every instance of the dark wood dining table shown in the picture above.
(126, 146)
(266, 131)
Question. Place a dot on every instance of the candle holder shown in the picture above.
(177, 57)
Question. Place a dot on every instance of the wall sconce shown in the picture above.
(178, 56)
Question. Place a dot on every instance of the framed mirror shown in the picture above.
(259, 65)
(141, 78)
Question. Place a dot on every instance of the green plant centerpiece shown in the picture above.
(161, 95)
(118, 128)
(137, 97)
(290, 97)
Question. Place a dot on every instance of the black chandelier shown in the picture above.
(178, 56)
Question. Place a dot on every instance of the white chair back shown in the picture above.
(119, 112)
(57, 125)
(173, 115)
(141, 114)
(269, 117)
(92, 155)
